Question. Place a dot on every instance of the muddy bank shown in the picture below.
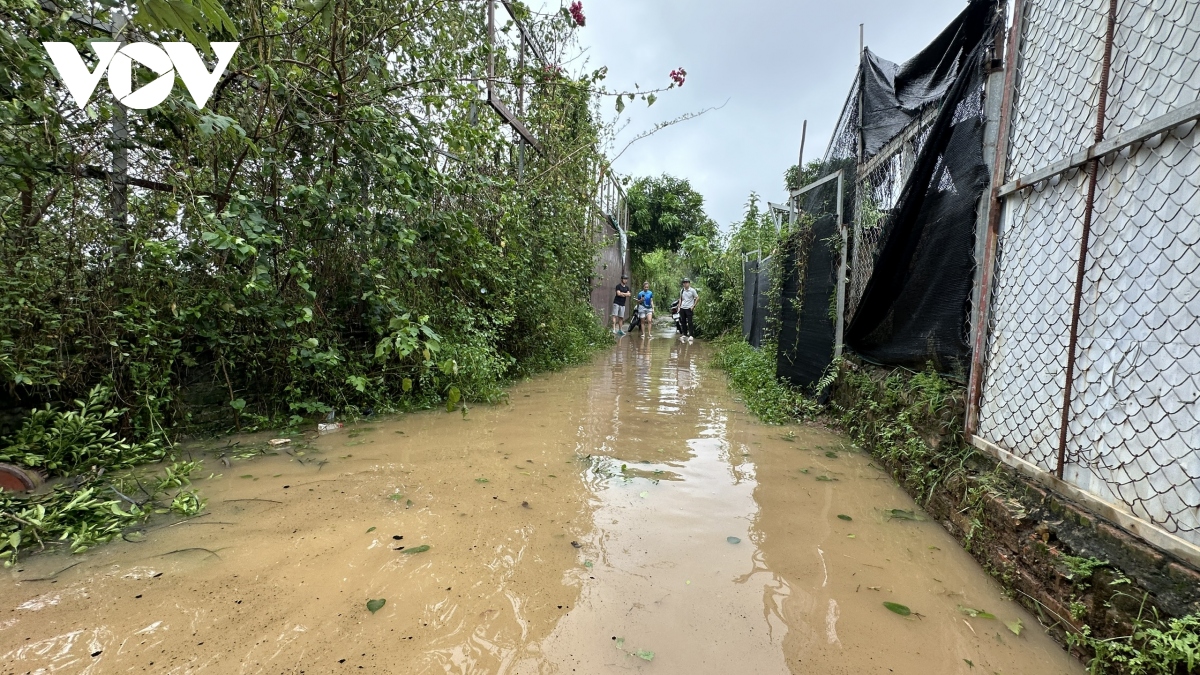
(626, 515)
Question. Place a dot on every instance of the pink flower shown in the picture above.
(577, 13)
(677, 76)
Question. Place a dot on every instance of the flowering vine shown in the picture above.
(577, 13)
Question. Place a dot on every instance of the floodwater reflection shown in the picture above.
(626, 515)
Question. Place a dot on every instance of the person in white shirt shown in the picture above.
(688, 297)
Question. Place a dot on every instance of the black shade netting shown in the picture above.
(914, 308)
(762, 303)
(749, 297)
(808, 271)
(893, 96)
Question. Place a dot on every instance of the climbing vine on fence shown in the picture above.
(343, 226)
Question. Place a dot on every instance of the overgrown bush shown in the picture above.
(343, 226)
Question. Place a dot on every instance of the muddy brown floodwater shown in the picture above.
(624, 516)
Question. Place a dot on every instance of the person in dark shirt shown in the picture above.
(618, 308)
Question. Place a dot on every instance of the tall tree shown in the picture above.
(663, 211)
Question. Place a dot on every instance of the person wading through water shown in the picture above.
(619, 301)
(688, 297)
(646, 308)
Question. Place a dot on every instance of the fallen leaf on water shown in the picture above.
(831, 454)
(644, 654)
(850, 536)
(587, 564)
(620, 642)
(481, 480)
(733, 540)
(969, 662)
(898, 608)
(1015, 626)
(418, 549)
(976, 613)
(408, 504)
(643, 495)
(396, 497)
(370, 530)
(376, 605)
(247, 476)
(826, 479)
(844, 516)
(901, 514)
(803, 470)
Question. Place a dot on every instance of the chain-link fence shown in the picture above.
(1091, 370)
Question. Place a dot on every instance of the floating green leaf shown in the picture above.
(396, 497)
(620, 642)
(733, 540)
(831, 454)
(644, 495)
(898, 608)
(481, 480)
(644, 654)
(587, 564)
(901, 514)
(417, 549)
(376, 605)
(1015, 626)
(844, 516)
(825, 479)
(370, 530)
(976, 613)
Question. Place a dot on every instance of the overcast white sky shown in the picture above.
(777, 62)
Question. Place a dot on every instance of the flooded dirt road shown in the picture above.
(625, 516)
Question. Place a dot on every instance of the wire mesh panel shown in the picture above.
(1058, 74)
(1021, 407)
(1132, 433)
(1156, 61)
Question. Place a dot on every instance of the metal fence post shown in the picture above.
(1012, 58)
(1088, 209)
(839, 329)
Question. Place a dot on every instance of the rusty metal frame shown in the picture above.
(493, 98)
(979, 342)
(1088, 210)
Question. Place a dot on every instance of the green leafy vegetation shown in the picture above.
(910, 421)
(752, 374)
(1155, 647)
(93, 508)
(343, 227)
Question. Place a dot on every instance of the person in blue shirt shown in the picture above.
(645, 300)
